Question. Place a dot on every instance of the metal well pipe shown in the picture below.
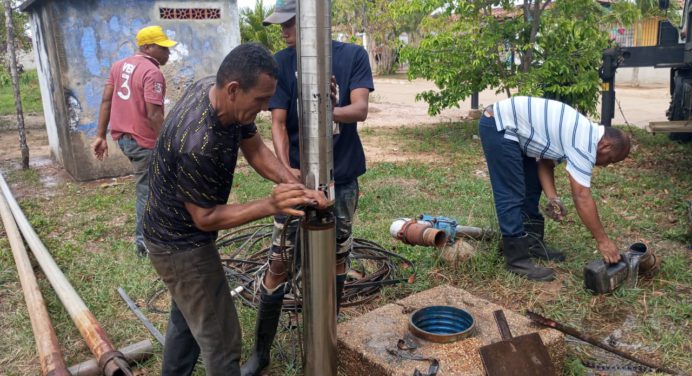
(317, 232)
(49, 353)
(112, 362)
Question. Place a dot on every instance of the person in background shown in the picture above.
(132, 105)
(523, 138)
(191, 172)
(352, 86)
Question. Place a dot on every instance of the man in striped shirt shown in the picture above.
(523, 139)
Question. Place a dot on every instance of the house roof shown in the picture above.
(24, 6)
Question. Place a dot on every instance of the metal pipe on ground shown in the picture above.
(411, 231)
(49, 353)
(136, 352)
(318, 230)
(110, 360)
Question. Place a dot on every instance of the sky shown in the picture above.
(250, 3)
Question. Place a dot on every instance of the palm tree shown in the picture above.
(252, 30)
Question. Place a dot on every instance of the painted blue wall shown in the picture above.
(96, 33)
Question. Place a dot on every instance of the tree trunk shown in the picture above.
(15, 83)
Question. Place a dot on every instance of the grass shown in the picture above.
(88, 229)
(28, 89)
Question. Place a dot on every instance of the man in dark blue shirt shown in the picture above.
(351, 70)
(191, 172)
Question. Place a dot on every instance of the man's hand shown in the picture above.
(334, 94)
(295, 172)
(100, 148)
(609, 251)
(285, 197)
(555, 209)
(318, 199)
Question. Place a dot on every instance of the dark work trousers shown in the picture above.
(203, 318)
(513, 177)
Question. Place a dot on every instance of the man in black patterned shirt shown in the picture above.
(191, 176)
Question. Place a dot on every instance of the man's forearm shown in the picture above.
(104, 119)
(265, 162)
(586, 208)
(546, 175)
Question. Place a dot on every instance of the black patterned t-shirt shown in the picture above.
(193, 161)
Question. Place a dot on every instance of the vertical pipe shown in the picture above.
(474, 100)
(49, 353)
(317, 233)
(111, 361)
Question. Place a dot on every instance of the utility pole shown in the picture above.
(318, 228)
(15, 83)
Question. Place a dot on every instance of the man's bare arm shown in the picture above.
(155, 117)
(586, 208)
(100, 145)
(357, 110)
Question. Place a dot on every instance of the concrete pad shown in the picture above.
(364, 340)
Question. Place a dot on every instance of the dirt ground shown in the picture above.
(392, 105)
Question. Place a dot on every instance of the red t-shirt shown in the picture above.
(136, 80)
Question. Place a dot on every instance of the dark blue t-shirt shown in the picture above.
(351, 67)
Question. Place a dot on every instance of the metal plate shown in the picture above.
(524, 355)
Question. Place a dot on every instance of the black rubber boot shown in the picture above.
(340, 282)
(519, 262)
(268, 316)
(535, 228)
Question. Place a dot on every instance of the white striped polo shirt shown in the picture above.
(550, 129)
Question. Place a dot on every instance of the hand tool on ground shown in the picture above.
(576, 334)
(133, 307)
(525, 355)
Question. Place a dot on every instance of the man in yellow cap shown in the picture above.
(132, 104)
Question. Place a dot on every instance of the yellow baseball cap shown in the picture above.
(154, 35)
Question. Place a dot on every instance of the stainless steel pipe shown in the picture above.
(49, 353)
(317, 232)
(111, 361)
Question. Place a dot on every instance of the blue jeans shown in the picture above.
(139, 158)
(513, 177)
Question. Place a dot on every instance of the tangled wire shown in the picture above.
(245, 253)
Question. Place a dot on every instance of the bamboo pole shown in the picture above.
(111, 361)
(49, 353)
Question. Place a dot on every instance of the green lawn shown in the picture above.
(88, 229)
(29, 89)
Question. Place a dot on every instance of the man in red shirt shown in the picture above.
(132, 104)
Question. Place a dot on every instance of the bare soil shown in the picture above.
(392, 105)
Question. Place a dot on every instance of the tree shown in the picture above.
(9, 26)
(541, 48)
(252, 30)
(19, 22)
(381, 25)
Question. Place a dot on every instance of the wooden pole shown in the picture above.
(15, 84)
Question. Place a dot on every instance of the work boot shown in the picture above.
(516, 251)
(340, 282)
(268, 316)
(535, 229)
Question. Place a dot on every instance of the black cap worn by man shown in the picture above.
(284, 10)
